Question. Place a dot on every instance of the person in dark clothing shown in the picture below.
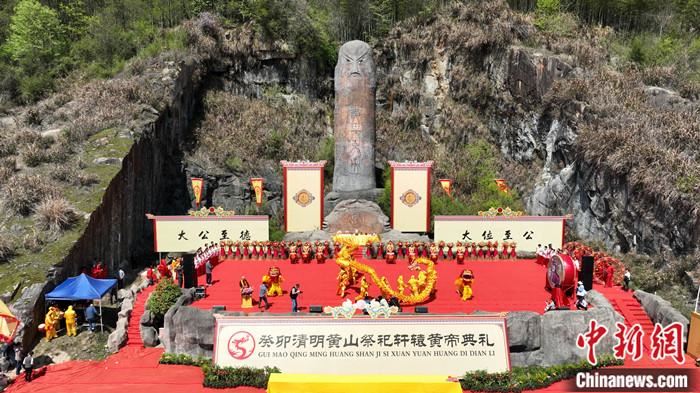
(294, 294)
(28, 364)
(18, 359)
(208, 269)
(91, 316)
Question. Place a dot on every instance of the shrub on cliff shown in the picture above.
(55, 214)
(23, 192)
(164, 297)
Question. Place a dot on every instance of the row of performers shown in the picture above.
(306, 252)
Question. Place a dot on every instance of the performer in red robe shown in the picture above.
(306, 253)
(326, 249)
(480, 252)
(336, 249)
(610, 273)
(460, 253)
(400, 250)
(163, 269)
(222, 250)
(504, 250)
(441, 250)
(320, 258)
(390, 256)
(246, 251)
(380, 250)
(368, 250)
(293, 255)
(434, 253)
(494, 250)
(411, 253)
(513, 254)
(450, 254)
(283, 251)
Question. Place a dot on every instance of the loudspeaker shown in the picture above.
(200, 292)
(316, 309)
(586, 275)
(218, 308)
(421, 310)
(188, 271)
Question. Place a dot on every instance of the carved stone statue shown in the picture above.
(355, 86)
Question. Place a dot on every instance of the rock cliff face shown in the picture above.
(148, 182)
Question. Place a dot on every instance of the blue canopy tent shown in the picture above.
(82, 287)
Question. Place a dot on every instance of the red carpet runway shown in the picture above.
(501, 285)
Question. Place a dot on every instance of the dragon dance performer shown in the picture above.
(364, 289)
(273, 281)
(464, 284)
(400, 285)
(343, 282)
(413, 284)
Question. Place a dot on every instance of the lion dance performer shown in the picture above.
(464, 284)
(273, 280)
(70, 317)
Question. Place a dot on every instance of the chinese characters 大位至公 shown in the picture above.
(487, 235)
(507, 236)
(181, 236)
(528, 235)
(224, 235)
(204, 235)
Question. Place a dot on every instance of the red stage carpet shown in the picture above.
(501, 285)
(516, 285)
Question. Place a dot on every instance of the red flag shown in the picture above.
(447, 186)
(502, 185)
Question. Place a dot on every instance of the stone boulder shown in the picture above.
(29, 309)
(189, 330)
(310, 236)
(667, 99)
(147, 319)
(124, 294)
(559, 331)
(660, 310)
(524, 329)
(531, 73)
(356, 215)
(398, 236)
(149, 336)
(116, 339)
(333, 198)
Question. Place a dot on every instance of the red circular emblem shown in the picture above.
(241, 345)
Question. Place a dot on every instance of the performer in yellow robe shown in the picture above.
(273, 280)
(364, 288)
(464, 284)
(50, 322)
(70, 317)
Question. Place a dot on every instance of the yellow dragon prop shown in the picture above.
(347, 262)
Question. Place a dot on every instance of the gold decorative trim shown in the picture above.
(211, 211)
(500, 211)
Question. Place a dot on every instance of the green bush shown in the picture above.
(164, 297)
(183, 359)
(229, 377)
(529, 378)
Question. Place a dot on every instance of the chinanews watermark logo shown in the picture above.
(663, 343)
(241, 345)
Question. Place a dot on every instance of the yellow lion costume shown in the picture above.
(273, 281)
(464, 284)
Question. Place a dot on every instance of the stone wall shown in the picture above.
(188, 330)
(661, 311)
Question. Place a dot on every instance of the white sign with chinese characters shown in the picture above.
(401, 345)
(187, 233)
(526, 231)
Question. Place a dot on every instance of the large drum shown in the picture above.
(561, 272)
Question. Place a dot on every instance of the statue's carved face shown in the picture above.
(355, 61)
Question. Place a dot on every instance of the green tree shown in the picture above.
(35, 35)
(691, 13)
(548, 7)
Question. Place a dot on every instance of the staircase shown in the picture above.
(133, 331)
